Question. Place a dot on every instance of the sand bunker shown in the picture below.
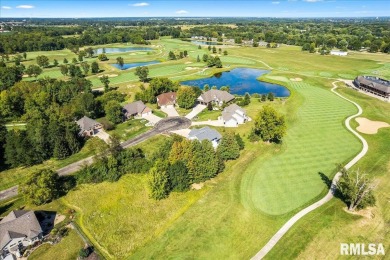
(197, 186)
(188, 62)
(190, 68)
(367, 126)
(296, 79)
(109, 75)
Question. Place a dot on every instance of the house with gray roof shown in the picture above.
(215, 96)
(374, 85)
(233, 115)
(19, 229)
(205, 133)
(136, 109)
(88, 126)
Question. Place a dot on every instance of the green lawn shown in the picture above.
(315, 144)
(209, 115)
(130, 129)
(67, 249)
(319, 234)
(12, 177)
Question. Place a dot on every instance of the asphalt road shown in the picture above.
(164, 126)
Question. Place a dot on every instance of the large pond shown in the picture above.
(205, 43)
(135, 64)
(118, 50)
(240, 81)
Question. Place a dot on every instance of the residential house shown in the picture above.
(205, 133)
(166, 99)
(215, 96)
(88, 126)
(233, 115)
(19, 229)
(136, 109)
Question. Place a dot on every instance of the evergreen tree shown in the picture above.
(65, 61)
(159, 181)
(95, 67)
(178, 176)
(197, 59)
(228, 149)
(239, 141)
(271, 96)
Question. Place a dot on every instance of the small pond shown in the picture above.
(205, 43)
(240, 81)
(135, 64)
(118, 50)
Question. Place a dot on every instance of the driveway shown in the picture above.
(182, 132)
(209, 122)
(170, 111)
(153, 119)
(103, 135)
(195, 111)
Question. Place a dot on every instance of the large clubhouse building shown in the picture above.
(374, 85)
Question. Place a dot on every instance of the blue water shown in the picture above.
(205, 43)
(240, 81)
(133, 65)
(118, 50)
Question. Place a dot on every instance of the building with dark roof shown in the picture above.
(19, 229)
(373, 85)
(137, 108)
(215, 96)
(166, 99)
(205, 133)
(88, 126)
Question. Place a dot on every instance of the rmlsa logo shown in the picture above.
(362, 249)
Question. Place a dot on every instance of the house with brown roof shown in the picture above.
(19, 229)
(166, 99)
(215, 96)
(88, 126)
(136, 109)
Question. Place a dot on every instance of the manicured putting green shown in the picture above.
(315, 144)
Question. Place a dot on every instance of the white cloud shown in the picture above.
(6, 7)
(25, 6)
(140, 4)
(275, 3)
(182, 12)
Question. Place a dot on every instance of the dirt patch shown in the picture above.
(366, 126)
(59, 218)
(197, 186)
(296, 79)
(109, 75)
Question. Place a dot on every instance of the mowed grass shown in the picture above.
(67, 249)
(130, 129)
(315, 144)
(319, 234)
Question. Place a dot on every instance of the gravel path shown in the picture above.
(272, 242)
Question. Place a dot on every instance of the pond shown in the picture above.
(205, 43)
(240, 81)
(118, 50)
(135, 64)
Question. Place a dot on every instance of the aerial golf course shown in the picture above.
(234, 215)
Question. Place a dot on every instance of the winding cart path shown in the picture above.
(283, 230)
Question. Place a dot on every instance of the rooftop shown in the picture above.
(205, 133)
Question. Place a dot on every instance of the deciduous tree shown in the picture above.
(269, 125)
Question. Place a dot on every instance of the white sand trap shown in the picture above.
(188, 62)
(197, 186)
(366, 126)
(296, 79)
(190, 68)
(109, 75)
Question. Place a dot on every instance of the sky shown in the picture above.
(200, 8)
